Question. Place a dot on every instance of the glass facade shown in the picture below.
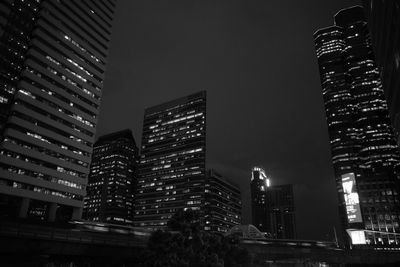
(112, 179)
(53, 59)
(223, 204)
(172, 161)
(383, 23)
(363, 144)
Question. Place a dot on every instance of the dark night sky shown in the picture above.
(256, 59)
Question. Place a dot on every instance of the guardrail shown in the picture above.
(19, 230)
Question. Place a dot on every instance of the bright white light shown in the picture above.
(351, 198)
(357, 237)
(261, 175)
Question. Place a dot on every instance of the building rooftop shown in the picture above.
(126, 133)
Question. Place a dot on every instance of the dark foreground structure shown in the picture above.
(91, 244)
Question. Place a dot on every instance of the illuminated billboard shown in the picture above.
(357, 236)
(351, 198)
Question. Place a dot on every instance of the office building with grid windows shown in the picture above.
(223, 203)
(172, 161)
(112, 179)
(53, 61)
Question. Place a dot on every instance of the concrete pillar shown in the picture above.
(77, 213)
(52, 211)
(23, 209)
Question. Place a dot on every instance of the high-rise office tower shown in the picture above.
(172, 161)
(272, 206)
(280, 207)
(223, 204)
(112, 179)
(258, 187)
(17, 19)
(384, 25)
(53, 59)
(364, 151)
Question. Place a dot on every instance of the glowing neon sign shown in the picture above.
(351, 198)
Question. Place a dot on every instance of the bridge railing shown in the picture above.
(19, 230)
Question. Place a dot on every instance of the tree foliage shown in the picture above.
(185, 244)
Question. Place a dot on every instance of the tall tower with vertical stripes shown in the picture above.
(53, 61)
(365, 155)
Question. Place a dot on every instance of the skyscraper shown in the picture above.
(258, 186)
(172, 161)
(223, 203)
(112, 179)
(384, 25)
(280, 207)
(53, 59)
(17, 20)
(272, 206)
(363, 145)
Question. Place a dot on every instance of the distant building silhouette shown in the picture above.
(258, 186)
(384, 25)
(272, 206)
(364, 151)
(172, 162)
(223, 204)
(53, 56)
(281, 211)
(112, 179)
